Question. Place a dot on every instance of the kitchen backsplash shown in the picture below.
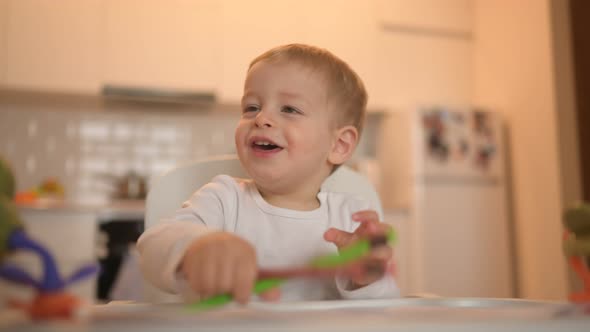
(78, 147)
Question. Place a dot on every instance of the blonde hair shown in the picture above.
(344, 85)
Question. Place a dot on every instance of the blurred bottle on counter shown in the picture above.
(131, 186)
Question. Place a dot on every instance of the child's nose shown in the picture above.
(263, 119)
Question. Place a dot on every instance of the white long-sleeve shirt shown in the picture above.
(281, 237)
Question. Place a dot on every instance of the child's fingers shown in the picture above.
(205, 278)
(245, 276)
(382, 253)
(382, 228)
(225, 276)
(372, 267)
(370, 223)
(272, 295)
(366, 228)
(369, 228)
(367, 271)
(339, 237)
(366, 215)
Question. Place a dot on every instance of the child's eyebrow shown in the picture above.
(291, 95)
(248, 95)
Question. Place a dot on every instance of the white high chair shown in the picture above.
(168, 191)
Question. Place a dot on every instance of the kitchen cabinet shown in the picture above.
(349, 30)
(446, 15)
(346, 28)
(423, 71)
(51, 46)
(425, 52)
(173, 44)
(407, 52)
(399, 68)
(252, 27)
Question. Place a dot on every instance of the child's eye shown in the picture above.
(251, 108)
(290, 109)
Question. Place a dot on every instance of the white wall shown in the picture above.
(514, 74)
(424, 53)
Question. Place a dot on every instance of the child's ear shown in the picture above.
(345, 140)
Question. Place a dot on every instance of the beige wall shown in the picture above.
(514, 74)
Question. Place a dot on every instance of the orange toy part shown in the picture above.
(26, 197)
(577, 264)
(58, 305)
(580, 268)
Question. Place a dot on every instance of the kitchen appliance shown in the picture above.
(130, 185)
(447, 168)
(112, 92)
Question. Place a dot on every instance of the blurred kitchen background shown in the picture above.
(100, 96)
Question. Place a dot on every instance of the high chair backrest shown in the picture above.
(168, 191)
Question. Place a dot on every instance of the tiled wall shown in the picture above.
(80, 148)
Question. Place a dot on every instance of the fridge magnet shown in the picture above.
(437, 145)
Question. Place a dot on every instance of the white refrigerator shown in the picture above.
(447, 170)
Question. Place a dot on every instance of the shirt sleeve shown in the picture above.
(162, 247)
(384, 288)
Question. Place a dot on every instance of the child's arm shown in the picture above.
(163, 246)
(161, 249)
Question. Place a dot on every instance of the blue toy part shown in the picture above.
(15, 274)
(51, 280)
(82, 273)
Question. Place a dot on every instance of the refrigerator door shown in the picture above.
(461, 233)
(464, 241)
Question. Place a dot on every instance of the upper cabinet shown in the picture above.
(169, 44)
(406, 51)
(425, 51)
(252, 27)
(51, 46)
(347, 28)
(442, 15)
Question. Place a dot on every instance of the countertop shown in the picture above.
(406, 314)
(113, 210)
(126, 209)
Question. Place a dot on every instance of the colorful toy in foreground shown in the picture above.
(576, 245)
(51, 299)
(327, 265)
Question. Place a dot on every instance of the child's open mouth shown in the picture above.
(265, 146)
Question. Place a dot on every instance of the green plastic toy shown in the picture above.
(577, 221)
(7, 182)
(346, 256)
(9, 218)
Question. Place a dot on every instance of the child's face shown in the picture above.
(286, 131)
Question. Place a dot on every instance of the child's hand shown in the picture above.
(378, 259)
(220, 263)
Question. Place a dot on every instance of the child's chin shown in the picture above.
(265, 178)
